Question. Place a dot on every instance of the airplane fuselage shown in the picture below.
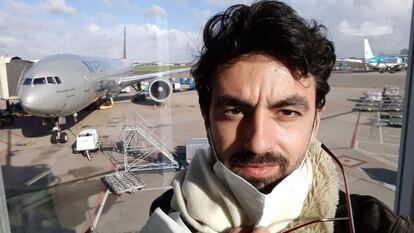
(64, 84)
(385, 62)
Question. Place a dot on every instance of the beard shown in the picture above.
(263, 184)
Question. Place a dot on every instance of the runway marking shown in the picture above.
(341, 104)
(384, 143)
(159, 188)
(380, 154)
(80, 125)
(336, 115)
(15, 134)
(353, 141)
(98, 202)
(372, 155)
(88, 222)
(380, 130)
(350, 161)
(392, 136)
(98, 215)
(8, 147)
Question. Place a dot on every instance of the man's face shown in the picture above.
(261, 119)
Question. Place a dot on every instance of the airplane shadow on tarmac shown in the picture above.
(382, 175)
(146, 102)
(38, 202)
(31, 126)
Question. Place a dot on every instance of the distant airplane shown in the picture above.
(62, 85)
(382, 63)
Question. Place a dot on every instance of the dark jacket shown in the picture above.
(370, 214)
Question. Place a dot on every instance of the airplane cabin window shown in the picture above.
(27, 81)
(58, 81)
(38, 81)
(51, 80)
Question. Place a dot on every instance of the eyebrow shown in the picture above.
(295, 101)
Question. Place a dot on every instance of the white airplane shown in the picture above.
(62, 85)
(383, 63)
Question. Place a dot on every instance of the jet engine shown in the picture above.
(160, 90)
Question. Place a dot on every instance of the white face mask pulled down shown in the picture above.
(276, 209)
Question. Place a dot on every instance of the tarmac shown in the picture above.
(51, 189)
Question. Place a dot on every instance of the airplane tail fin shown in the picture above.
(367, 50)
(124, 55)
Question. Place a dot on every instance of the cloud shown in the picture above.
(201, 16)
(155, 11)
(93, 28)
(229, 2)
(59, 7)
(348, 21)
(31, 37)
(367, 28)
(37, 32)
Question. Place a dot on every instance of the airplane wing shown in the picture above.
(127, 81)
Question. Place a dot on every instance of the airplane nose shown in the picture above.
(27, 101)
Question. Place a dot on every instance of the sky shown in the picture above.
(170, 30)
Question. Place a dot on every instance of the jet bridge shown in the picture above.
(11, 69)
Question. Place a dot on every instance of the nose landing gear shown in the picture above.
(57, 135)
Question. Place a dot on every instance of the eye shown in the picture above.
(233, 111)
(289, 113)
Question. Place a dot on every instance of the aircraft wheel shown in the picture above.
(63, 138)
(54, 137)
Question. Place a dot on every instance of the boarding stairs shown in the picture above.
(141, 141)
(138, 142)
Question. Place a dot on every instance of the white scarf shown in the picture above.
(203, 203)
(213, 203)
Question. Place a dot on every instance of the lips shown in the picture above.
(257, 170)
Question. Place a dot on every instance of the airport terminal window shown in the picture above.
(52, 187)
(27, 81)
(51, 80)
(37, 81)
(58, 81)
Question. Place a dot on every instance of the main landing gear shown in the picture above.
(57, 135)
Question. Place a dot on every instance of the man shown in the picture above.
(262, 81)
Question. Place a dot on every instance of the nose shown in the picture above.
(27, 100)
(31, 102)
(259, 132)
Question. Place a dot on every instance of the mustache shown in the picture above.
(248, 157)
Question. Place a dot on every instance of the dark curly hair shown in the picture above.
(267, 27)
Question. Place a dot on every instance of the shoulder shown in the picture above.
(371, 215)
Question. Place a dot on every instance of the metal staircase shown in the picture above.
(139, 141)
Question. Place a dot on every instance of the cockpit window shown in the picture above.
(27, 81)
(51, 80)
(58, 81)
(38, 81)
